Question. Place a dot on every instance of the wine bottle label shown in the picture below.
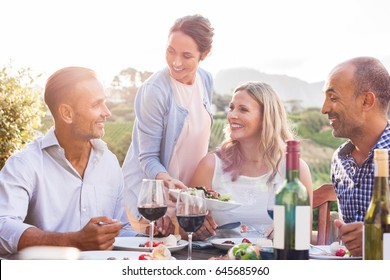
(279, 218)
(302, 227)
(381, 166)
(386, 246)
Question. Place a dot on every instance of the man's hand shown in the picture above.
(352, 235)
(99, 234)
(165, 226)
(208, 228)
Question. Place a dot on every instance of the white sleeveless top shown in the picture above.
(251, 192)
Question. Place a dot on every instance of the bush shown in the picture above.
(21, 110)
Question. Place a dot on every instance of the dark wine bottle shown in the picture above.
(292, 212)
(377, 220)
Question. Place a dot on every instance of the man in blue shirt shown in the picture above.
(357, 95)
(65, 188)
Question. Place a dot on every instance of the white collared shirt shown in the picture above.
(39, 187)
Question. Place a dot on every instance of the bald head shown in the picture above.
(369, 74)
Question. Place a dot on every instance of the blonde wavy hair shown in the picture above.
(275, 132)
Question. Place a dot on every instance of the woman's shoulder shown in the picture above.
(206, 76)
(160, 77)
(204, 72)
(156, 87)
(209, 159)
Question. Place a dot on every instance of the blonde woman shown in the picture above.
(251, 159)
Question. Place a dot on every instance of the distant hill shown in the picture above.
(289, 88)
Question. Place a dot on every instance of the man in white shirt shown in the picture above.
(65, 188)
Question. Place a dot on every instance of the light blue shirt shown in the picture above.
(158, 124)
(40, 188)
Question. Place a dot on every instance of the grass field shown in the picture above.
(118, 138)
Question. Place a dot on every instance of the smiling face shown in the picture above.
(343, 108)
(89, 110)
(245, 117)
(183, 57)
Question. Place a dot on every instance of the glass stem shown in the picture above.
(151, 236)
(189, 246)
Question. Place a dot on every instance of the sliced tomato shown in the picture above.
(245, 240)
(213, 194)
(155, 244)
(143, 257)
(340, 252)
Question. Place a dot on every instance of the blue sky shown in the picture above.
(300, 38)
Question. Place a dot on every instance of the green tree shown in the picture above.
(21, 110)
(126, 83)
(221, 101)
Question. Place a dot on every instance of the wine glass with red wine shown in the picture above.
(191, 213)
(152, 203)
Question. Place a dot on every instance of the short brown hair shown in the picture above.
(60, 84)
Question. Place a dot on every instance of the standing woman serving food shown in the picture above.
(166, 106)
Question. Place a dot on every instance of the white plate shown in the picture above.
(316, 253)
(49, 253)
(219, 242)
(217, 205)
(132, 244)
(214, 204)
(111, 255)
(105, 255)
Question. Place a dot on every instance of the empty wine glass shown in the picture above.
(191, 213)
(152, 203)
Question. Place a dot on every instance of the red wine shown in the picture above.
(152, 213)
(191, 223)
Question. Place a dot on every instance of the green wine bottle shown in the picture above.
(292, 212)
(377, 220)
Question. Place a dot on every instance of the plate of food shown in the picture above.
(142, 243)
(160, 252)
(335, 251)
(245, 248)
(227, 243)
(214, 200)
